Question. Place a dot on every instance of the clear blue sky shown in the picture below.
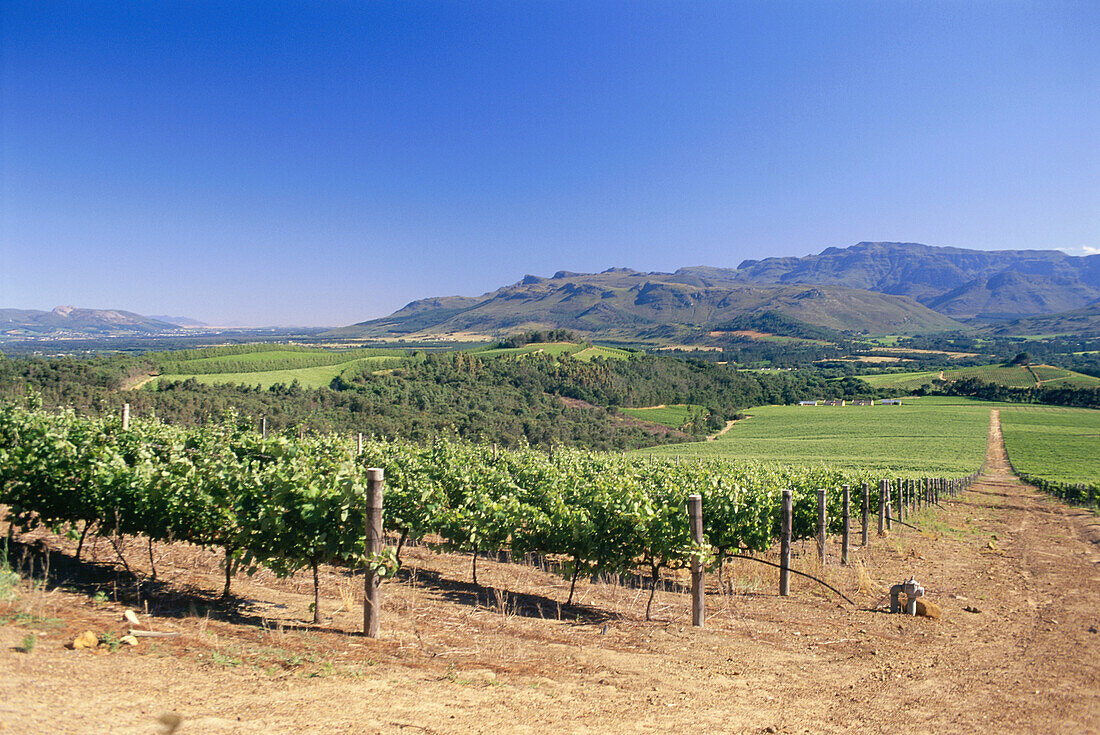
(327, 162)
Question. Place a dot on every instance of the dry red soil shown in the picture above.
(506, 657)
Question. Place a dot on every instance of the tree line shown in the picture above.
(507, 400)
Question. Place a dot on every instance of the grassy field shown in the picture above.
(925, 435)
(1060, 444)
(309, 377)
(261, 358)
(1017, 376)
(579, 351)
(673, 416)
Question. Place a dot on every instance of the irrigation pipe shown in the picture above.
(809, 576)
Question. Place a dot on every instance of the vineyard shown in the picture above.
(1056, 449)
(1016, 376)
(289, 503)
(573, 349)
(506, 653)
(268, 365)
(943, 436)
(273, 357)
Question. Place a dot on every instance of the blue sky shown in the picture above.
(322, 163)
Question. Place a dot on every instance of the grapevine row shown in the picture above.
(289, 503)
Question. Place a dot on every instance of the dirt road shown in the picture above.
(456, 658)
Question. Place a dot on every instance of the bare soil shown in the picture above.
(726, 428)
(508, 657)
(134, 382)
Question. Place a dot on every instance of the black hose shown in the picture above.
(810, 576)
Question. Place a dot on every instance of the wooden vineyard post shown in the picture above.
(695, 510)
(263, 427)
(125, 416)
(822, 520)
(889, 506)
(846, 520)
(866, 505)
(372, 592)
(785, 513)
(359, 449)
(901, 499)
(883, 488)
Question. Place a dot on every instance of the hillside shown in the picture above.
(621, 302)
(1084, 322)
(69, 322)
(1015, 376)
(961, 283)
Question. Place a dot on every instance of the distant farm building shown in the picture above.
(890, 402)
(861, 402)
(807, 403)
(834, 403)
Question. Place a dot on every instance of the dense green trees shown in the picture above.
(1053, 395)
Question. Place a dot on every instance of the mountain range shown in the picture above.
(878, 287)
(960, 283)
(68, 321)
(628, 303)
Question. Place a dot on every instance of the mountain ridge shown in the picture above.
(1042, 281)
(625, 302)
(71, 321)
(869, 286)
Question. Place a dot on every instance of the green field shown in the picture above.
(1015, 376)
(308, 377)
(929, 435)
(260, 358)
(1058, 444)
(674, 416)
(579, 351)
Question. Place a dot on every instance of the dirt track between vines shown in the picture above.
(458, 658)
